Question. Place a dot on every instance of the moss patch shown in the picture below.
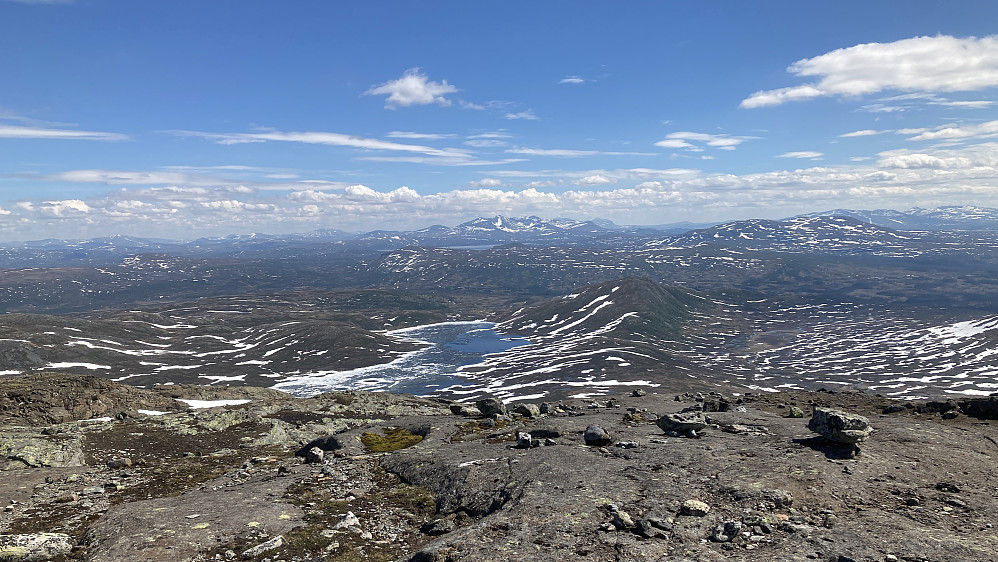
(394, 438)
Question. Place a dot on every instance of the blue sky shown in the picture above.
(182, 119)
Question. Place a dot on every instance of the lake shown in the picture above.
(450, 346)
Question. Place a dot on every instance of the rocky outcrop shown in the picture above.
(224, 483)
(37, 547)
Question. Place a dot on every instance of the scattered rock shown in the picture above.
(637, 393)
(894, 409)
(695, 508)
(276, 542)
(596, 436)
(464, 410)
(839, 426)
(795, 412)
(727, 531)
(948, 487)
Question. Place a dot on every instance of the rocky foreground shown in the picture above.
(93, 470)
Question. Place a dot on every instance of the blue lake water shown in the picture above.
(451, 346)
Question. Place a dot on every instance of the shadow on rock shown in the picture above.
(831, 449)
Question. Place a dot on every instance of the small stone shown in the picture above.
(596, 436)
(948, 487)
(119, 463)
(259, 549)
(463, 410)
(637, 393)
(890, 558)
(951, 415)
(795, 412)
(622, 520)
(893, 409)
(627, 444)
(695, 508)
(347, 520)
(523, 440)
(315, 455)
(727, 531)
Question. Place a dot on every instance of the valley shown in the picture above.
(804, 303)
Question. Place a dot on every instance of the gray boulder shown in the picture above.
(839, 426)
(491, 407)
(596, 436)
(683, 422)
(528, 410)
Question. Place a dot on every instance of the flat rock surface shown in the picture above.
(215, 483)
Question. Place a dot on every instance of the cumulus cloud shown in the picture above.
(19, 132)
(595, 180)
(921, 64)
(572, 80)
(413, 88)
(897, 179)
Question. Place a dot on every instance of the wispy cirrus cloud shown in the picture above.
(572, 80)
(808, 154)
(694, 141)
(569, 153)
(322, 137)
(921, 64)
(527, 115)
(20, 132)
(413, 88)
(420, 136)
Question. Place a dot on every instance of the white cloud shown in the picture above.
(327, 138)
(572, 80)
(988, 129)
(18, 132)
(596, 180)
(898, 179)
(413, 88)
(570, 153)
(420, 136)
(486, 182)
(685, 139)
(920, 64)
(802, 154)
(486, 143)
(863, 133)
(526, 115)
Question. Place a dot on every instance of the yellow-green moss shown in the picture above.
(395, 438)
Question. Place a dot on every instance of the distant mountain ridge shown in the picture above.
(952, 217)
(812, 231)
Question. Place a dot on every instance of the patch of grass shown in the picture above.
(394, 438)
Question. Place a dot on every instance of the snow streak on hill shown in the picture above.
(845, 345)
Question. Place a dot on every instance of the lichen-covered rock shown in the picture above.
(695, 508)
(839, 426)
(23, 449)
(34, 547)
